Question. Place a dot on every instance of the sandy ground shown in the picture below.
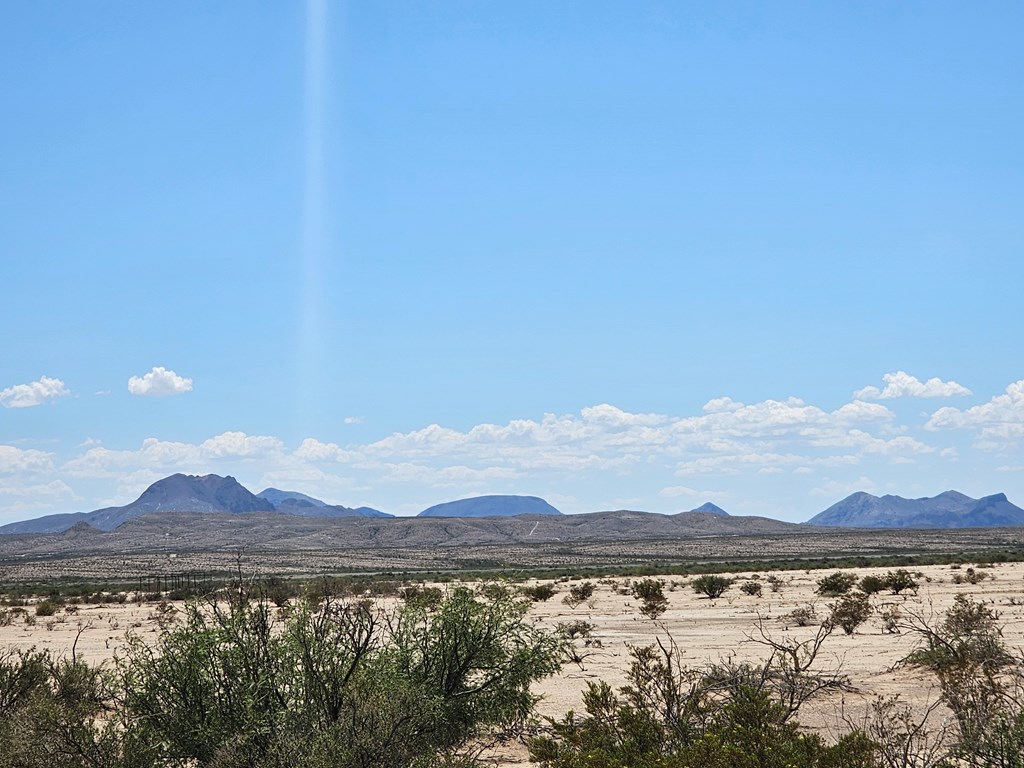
(705, 630)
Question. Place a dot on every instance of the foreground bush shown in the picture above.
(673, 716)
(335, 684)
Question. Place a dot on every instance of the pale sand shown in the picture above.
(705, 630)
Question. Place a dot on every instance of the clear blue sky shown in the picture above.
(398, 253)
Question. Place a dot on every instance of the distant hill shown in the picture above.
(711, 509)
(947, 510)
(491, 506)
(303, 507)
(295, 503)
(177, 493)
(275, 496)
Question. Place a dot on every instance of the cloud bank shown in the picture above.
(772, 452)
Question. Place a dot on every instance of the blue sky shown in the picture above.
(613, 254)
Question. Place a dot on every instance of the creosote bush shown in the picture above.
(336, 683)
(579, 594)
(871, 584)
(900, 580)
(539, 593)
(652, 596)
(838, 583)
(850, 611)
(752, 588)
(711, 585)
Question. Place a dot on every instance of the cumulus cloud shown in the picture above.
(21, 461)
(45, 390)
(353, 419)
(998, 421)
(902, 384)
(169, 455)
(159, 382)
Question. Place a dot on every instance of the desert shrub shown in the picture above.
(775, 583)
(801, 616)
(578, 594)
(980, 680)
(337, 683)
(652, 596)
(674, 716)
(572, 630)
(850, 611)
(838, 583)
(899, 581)
(871, 584)
(277, 590)
(539, 593)
(495, 590)
(752, 588)
(971, 576)
(891, 616)
(420, 596)
(46, 608)
(711, 585)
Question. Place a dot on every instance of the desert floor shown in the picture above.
(705, 630)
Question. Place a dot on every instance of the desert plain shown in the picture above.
(704, 630)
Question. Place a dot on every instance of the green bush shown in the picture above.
(539, 593)
(578, 594)
(900, 580)
(673, 716)
(752, 588)
(838, 583)
(850, 611)
(336, 683)
(651, 593)
(712, 586)
(46, 608)
(872, 585)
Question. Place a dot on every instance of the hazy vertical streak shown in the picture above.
(314, 236)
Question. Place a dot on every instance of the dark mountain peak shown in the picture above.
(710, 508)
(81, 528)
(491, 506)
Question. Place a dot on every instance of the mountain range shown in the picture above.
(947, 510)
(181, 493)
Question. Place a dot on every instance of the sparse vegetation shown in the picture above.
(872, 584)
(899, 581)
(579, 594)
(539, 593)
(651, 593)
(850, 611)
(838, 583)
(711, 586)
(752, 588)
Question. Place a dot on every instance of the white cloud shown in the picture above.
(240, 445)
(45, 390)
(353, 419)
(22, 461)
(171, 456)
(999, 421)
(159, 382)
(902, 384)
